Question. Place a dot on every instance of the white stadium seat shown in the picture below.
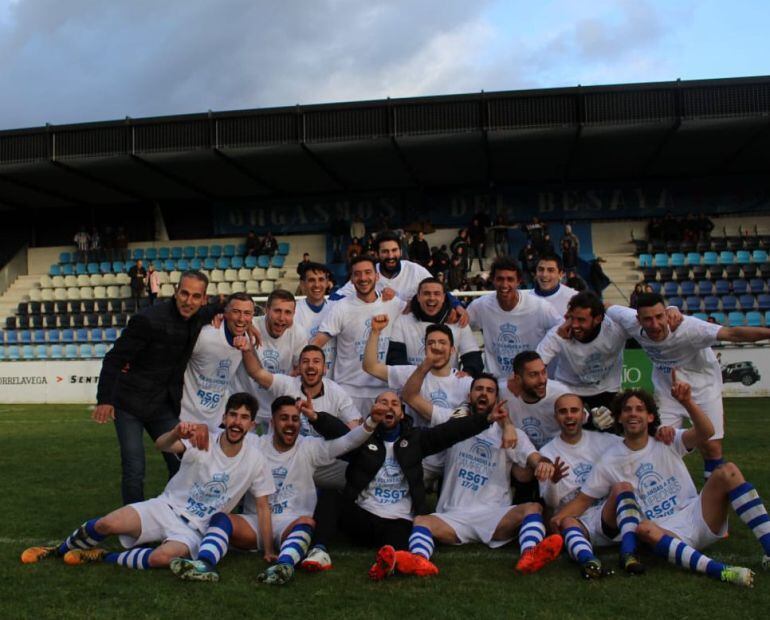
(73, 293)
(252, 287)
(96, 279)
(125, 291)
(58, 282)
(109, 279)
(100, 292)
(167, 290)
(258, 273)
(231, 275)
(217, 275)
(86, 292)
(273, 273)
(173, 277)
(267, 286)
(223, 288)
(47, 294)
(60, 294)
(238, 287)
(46, 281)
(113, 292)
(211, 289)
(70, 281)
(163, 278)
(36, 294)
(84, 280)
(122, 278)
(244, 274)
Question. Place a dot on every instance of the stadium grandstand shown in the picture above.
(187, 189)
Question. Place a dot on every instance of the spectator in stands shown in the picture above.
(153, 283)
(357, 228)
(570, 248)
(546, 247)
(121, 245)
(535, 231)
(419, 250)
(96, 245)
(461, 241)
(574, 281)
(338, 230)
(253, 244)
(456, 273)
(501, 235)
(303, 264)
(83, 243)
(269, 244)
(596, 276)
(640, 288)
(138, 276)
(440, 261)
(370, 245)
(477, 235)
(355, 248)
(528, 260)
(140, 383)
(704, 227)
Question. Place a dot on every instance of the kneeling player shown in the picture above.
(189, 518)
(575, 452)
(475, 501)
(679, 520)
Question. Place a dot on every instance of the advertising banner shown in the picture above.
(49, 382)
(637, 370)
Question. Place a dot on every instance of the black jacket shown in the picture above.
(412, 445)
(144, 371)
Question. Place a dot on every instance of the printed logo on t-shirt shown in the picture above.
(439, 398)
(532, 427)
(593, 369)
(656, 495)
(382, 343)
(204, 500)
(581, 471)
(271, 361)
(475, 464)
(508, 346)
(279, 500)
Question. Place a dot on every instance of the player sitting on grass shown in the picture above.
(189, 518)
(575, 452)
(678, 521)
(475, 501)
(292, 460)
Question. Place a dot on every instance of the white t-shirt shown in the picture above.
(508, 333)
(405, 282)
(350, 321)
(688, 349)
(411, 332)
(477, 470)
(580, 457)
(447, 392)
(309, 320)
(587, 368)
(292, 471)
(209, 481)
(277, 355)
(657, 472)
(537, 420)
(212, 365)
(559, 299)
(387, 495)
(332, 400)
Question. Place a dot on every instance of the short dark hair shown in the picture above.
(439, 327)
(623, 397)
(505, 263)
(243, 399)
(282, 401)
(647, 300)
(486, 375)
(314, 267)
(555, 258)
(280, 294)
(238, 297)
(360, 259)
(522, 359)
(386, 235)
(430, 280)
(312, 347)
(587, 299)
(195, 275)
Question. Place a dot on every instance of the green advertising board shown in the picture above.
(637, 370)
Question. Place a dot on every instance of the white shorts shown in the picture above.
(690, 527)
(160, 523)
(331, 477)
(714, 411)
(592, 521)
(476, 524)
(280, 523)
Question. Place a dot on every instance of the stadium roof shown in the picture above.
(565, 135)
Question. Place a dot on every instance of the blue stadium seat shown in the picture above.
(100, 350)
(743, 257)
(81, 269)
(660, 260)
(710, 258)
(57, 352)
(693, 258)
(654, 285)
(763, 303)
(236, 262)
(86, 351)
(81, 335)
(754, 319)
(740, 286)
(263, 261)
(67, 335)
(196, 263)
(105, 267)
(188, 252)
(722, 287)
(705, 287)
(54, 270)
(71, 351)
(110, 334)
(117, 266)
(54, 335)
(67, 270)
(747, 302)
(65, 257)
(215, 251)
(693, 304)
(278, 261)
(210, 263)
(151, 253)
(736, 318)
(677, 302)
(283, 249)
(2, 352)
(726, 257)
(176, 252)
(13, 352)
(41, 352)
(28, 352)
(137, 254)
(719, 317)
(11, 336)
(250, 262)
(240, 249)
(25, 336)
(223, 263)
(757, 285)
(729, 303)
(228, 250)
(670, 289)
(701, 315)
(164, 253)
(677, 259)
(169, 265)
(645, 260)
(202, 251)
(183, 264)
(96, 334)
(38, 336)
(687, 287)
(759, 256)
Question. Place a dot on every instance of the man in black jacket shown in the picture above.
(140, 384)
(384, 487)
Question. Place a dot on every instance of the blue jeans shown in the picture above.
(130, 430)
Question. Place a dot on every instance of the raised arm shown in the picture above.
(198, 434)
(702, 428)
(743, 334)
(371, 364)
(411, 392)
(251, 362)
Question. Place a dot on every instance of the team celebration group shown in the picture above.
(371, 400)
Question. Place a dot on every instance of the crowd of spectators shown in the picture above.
(680, 228)
(256, 246)
(96, 246)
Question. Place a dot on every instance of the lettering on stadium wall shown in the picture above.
(23, 380)
(84, 379)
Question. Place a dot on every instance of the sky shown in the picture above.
(74, 61)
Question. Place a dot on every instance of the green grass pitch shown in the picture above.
(58, 469)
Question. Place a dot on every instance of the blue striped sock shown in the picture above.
(709, 465)
(295, 545)
(138, 558)
(578, 546)
(532, 531)
(421, 541)
(85, 537)
(628, 516)
(749, 507)
(214, 544)
(681, 554)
